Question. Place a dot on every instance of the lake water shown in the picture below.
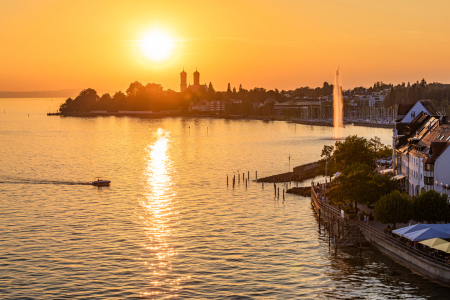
(168, 226)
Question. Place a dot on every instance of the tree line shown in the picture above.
(355, 158)
(153, 97)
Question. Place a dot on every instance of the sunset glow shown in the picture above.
(157, 45)
(284, 44)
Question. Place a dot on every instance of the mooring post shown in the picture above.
(335, 247)
(227, 179)
(360, 241)
(339, 231)
(246, 181)
(319, 220)
(278, 192)
(275, 189)
(329, 237)
(283, 194)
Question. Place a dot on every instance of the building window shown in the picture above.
(429, 180)
(413, 114)
(429, 167)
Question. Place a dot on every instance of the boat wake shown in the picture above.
(32, 181)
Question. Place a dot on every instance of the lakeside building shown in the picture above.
(422, 152)
(408, 112)
(376, 99)
(194, 87)
(207, 106)
(304, 108)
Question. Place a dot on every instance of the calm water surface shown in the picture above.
(168, 226)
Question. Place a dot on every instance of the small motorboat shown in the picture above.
(100, 182)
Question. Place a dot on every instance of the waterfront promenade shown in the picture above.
(419, 260)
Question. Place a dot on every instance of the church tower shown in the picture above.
(196, 78)
(183, 84)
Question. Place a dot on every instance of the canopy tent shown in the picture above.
(433, 242)
(411, 228)
(443, 247)
(386, 171)
(425, 234)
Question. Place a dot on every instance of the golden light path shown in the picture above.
(160, 214)
(157, 45)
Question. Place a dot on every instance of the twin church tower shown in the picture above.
(195, 86)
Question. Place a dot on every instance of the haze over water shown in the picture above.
(168, 225)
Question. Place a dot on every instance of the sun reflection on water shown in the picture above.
(160, 215)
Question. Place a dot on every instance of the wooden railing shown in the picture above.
(402, 246)
(325, 207)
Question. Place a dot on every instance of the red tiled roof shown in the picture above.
(404, 108)
(429, 106)
(437, 148)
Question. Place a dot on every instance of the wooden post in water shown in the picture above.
(329, 236)
(243, 177)
(283, 194)
(234, 180)
(339, 232)
(319, 220)
(263, 185)
(278, 193)
(227, 179)
(335, 247)
(246, 181)
(275, 189)
(360, 242)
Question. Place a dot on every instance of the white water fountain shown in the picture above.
(338, 105)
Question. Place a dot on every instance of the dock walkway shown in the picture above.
(403, 252)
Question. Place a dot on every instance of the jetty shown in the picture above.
(346, 232)
(299, 173)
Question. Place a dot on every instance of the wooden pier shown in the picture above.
(343, 232)
(299, 173)
(355, 234)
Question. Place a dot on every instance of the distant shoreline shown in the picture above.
(163, 114)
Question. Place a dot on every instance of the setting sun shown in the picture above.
(157, 45)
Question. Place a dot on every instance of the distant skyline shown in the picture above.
(55, 45)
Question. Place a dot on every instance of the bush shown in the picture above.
(431, 207)
(393, 208)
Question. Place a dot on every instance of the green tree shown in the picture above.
(352, 185)
(327, 151)
(352, 150)
(431, 207)
(391, 99)
(378, 186)
(393, 208)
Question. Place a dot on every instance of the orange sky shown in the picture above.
(54, 44)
